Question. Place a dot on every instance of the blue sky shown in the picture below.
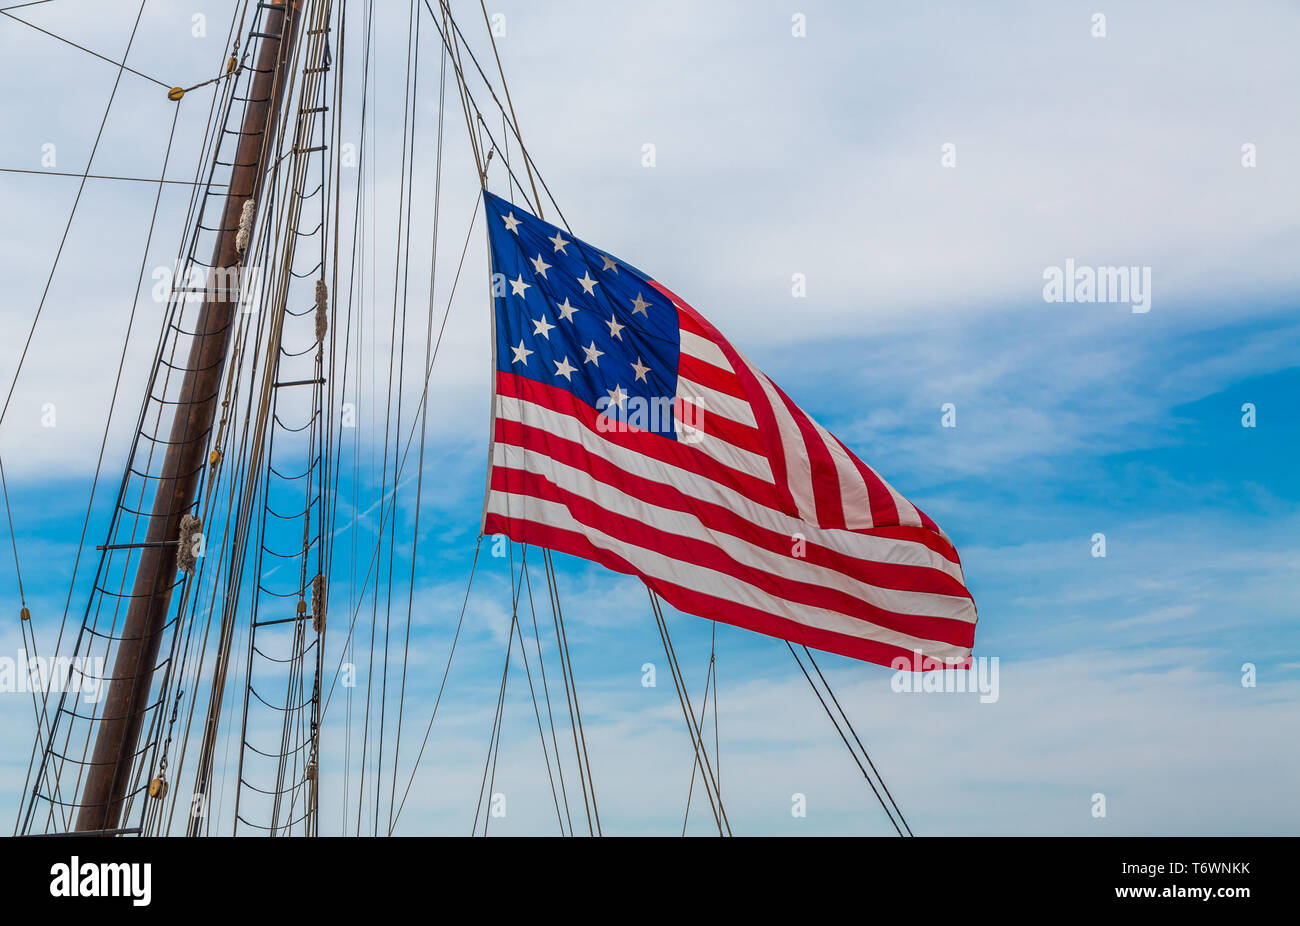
(819, 155)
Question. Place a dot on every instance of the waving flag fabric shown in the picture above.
(628, 431)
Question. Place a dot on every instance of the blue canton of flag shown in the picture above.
(576, 318)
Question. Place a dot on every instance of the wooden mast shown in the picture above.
(108, 776)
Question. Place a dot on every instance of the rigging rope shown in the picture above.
(571, 695)
(442, 685)
(549, 714)
(849, 724)
(108, 422)
(709, 679)
(121, 68)
(121, 65)
(838, 730)
(701, 755)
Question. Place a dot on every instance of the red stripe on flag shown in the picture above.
(924, 536)
(688, 319)
(825, 475)
(710, 556)
(706, 374)
(716, 517)
(704, 605)
(678, 453)
(884, 510)
(692, 320)
(716, 425)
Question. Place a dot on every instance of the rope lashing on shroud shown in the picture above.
(322, 310)
(191, 536)
(318, 604)
(245, 226)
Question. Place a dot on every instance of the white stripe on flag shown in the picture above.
(855, 500)
(729, 454)
(703, 349)
(798, 468)
(716, 403)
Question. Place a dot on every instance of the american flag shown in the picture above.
(629, 432)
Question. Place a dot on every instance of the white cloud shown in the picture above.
(820, 156)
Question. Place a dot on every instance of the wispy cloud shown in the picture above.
(774, 156)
